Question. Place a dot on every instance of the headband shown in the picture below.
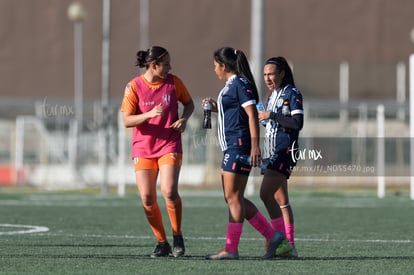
(271, 61)
(158, 58)
(162, 55)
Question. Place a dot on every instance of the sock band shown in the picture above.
(290, 233)
(278, 224)
(174, 210)
(154, 218)
(234, 231)
(259, 222)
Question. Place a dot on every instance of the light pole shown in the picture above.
(411, 84)
(106, 32)
(257, 43)
(76, 14)
(144, 19)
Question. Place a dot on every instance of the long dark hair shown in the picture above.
(282, 65)
(155, 53)
(236, 62)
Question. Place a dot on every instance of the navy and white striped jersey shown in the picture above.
(277, 138)
(233, 122)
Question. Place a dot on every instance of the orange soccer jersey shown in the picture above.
(154, 138)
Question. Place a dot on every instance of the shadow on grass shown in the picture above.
(200, 257)
(82, 245)
(106, 255)
(355, 258)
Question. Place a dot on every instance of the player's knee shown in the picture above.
(233, 199)
(170, 195)
(148, 201)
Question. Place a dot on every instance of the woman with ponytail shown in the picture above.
(238, 134)
(284, 120)
(150, 107)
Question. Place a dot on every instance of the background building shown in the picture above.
(37, 64)
(36, 53)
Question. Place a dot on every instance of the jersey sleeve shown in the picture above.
(296, 104)
(245, 93)
(181, 91)
(130, 99)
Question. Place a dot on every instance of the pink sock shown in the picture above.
(234, 231)
(260, 223)
(279, 225)
(290, 233)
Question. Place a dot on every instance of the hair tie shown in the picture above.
(161, 55)
(235, 51)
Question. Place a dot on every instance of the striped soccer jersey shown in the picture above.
(276, 138)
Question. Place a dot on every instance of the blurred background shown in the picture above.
(64, 65)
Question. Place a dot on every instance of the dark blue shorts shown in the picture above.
(231, 163)
(281, 162)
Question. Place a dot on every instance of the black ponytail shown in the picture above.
(155, 53)
(236, 62)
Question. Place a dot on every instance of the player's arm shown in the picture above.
(131, 117)
(184, 97)
(255, 155)
(181, 123)
(132, 120)
(188, 109)
(294, 122)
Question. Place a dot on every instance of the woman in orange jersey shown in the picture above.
(150, 107)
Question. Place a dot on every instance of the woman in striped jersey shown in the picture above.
(284, 120)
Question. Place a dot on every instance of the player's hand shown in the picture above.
(212, 101)
(263, 115)
(255, 156)
(179, 125)
(156, 111)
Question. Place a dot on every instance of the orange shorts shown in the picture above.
(154, 163)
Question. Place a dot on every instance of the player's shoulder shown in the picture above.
(240, 80)
(175, 79)
(289, 89)
(131, 85)
(243, 83)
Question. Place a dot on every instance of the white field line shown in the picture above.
(223, 238)
(41, 230)
(28, 229)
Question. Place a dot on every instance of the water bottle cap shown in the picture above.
(260, 106)
(207, 105)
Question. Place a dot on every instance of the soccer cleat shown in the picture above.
(284, 248)
(161, 250)
(273, 244)
(178, 248)
(293, 253)
(223, 255)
